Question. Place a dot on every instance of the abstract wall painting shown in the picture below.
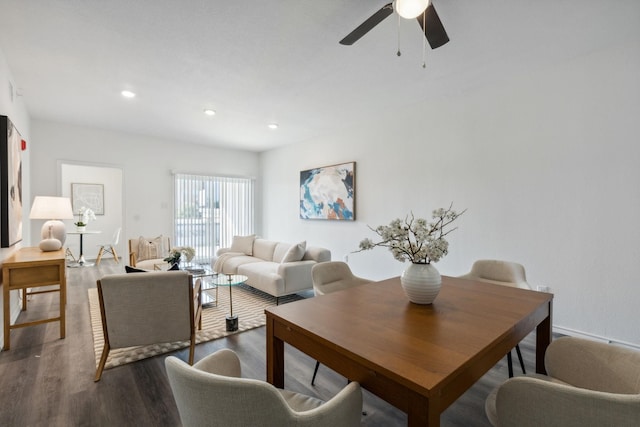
(10, 184)
(328, 192)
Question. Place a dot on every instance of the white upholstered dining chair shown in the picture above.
(332, 276)
(212, 392)
(588, 384)
(504, 273)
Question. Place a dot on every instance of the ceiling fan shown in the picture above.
(422, 10)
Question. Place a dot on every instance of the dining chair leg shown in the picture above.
(100, 252)
(68, 253)
(115, 255)
(510, 364)
(315, 371)
(520, 358)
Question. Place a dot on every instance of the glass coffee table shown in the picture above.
(206, 276)
(230, 280)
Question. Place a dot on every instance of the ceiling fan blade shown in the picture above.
(433, 28)
(367, 25)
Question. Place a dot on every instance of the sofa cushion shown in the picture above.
(231, 264)
(150, 264)
(150, 248)
(280, 251)
(243, 244)
(263, 249)
(295, 252)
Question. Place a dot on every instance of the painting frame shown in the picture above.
(329, 192)
(90, 196)
(11, 202)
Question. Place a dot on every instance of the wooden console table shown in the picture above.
(32, 268)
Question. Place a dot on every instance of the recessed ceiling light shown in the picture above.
(128, 94)
(273, 126)
(209, 112)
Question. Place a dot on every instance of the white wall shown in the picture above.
(147, 165)
(12, 105)
(546, 163)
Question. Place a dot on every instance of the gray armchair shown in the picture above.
(212, 392)
(147, 308)
(588, 384)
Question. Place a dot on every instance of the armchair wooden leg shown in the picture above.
(192, 349)
(103, 361)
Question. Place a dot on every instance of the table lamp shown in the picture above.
(52, 209)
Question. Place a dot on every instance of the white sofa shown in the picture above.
(276, 268)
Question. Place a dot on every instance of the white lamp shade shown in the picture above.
(53, 209)
(45, 207)
(410, 9)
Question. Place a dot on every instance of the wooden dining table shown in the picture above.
(419, 358)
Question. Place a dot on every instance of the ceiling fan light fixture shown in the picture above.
(410, 9)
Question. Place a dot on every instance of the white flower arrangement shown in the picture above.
(176, 253)
(415, 239)
(84, 216)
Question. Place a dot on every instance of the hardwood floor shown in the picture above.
(46, 381)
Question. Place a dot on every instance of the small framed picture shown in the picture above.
(89, 196)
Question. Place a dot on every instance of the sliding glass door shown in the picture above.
(210, 210)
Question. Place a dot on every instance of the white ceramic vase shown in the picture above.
(421, 283)
(81, 229)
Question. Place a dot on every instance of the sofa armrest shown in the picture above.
(296, 274)
(530, 402)
(222, 251)
(317, 254)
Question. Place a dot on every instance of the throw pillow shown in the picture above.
(150, 248)
(243, 244)
(295, 252)
(130, 269)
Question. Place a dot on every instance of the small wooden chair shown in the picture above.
(69, 254)
(109, 247)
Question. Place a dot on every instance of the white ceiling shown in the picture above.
(260, 61)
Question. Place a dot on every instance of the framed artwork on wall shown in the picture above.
(328, 192)
(89, 196)
(10, 183)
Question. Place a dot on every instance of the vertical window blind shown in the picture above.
(210, 210)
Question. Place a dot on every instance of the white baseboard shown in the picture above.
(574, 333)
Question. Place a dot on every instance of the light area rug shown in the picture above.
(248, 305)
